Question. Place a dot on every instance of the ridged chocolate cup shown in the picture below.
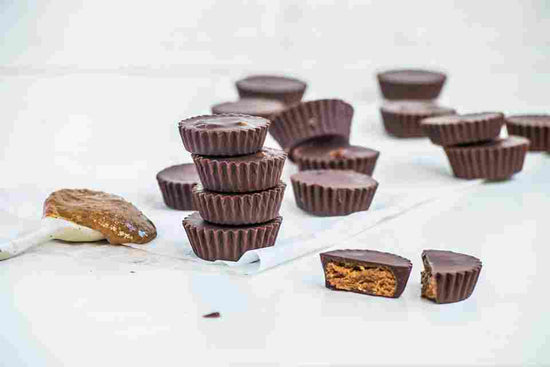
(287, 90)
(399, 266)
(224, 134)
(536, 128)
(307, 120)
(402, 118)
(213, 242)
(176, 184)
(494, 160)
(455, 274)
(333, 192)
(239, 209)
(255, 172)
(411, 84)
(463, 129)
(336, 156)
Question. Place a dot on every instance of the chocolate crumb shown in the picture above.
(212, 315)
(338, 153)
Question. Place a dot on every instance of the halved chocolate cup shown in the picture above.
(366, 272)
(449, 276)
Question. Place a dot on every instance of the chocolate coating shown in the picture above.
(411, 84)
(493, 160)
(223, 135)
(402, 118)
(313, 119)
(334, 155)
(117, 219)
(399, 266)
(453, 275)
(536, 128)
(333, 192)
(251, 106)
(176, 184)
(247, 173)
(284, 89)
(239, 209)
(463, 129)
(215, 242)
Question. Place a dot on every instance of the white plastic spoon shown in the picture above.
(50, 229)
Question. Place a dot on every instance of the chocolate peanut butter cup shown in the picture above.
(245, 173)
(307, 120)
(216, 242)
(239, 209)
(223, 135)
(536, 128)
(251, 106)
(448, 276)
(333, 155)
(366, 271)
(176, 184)
(493, 160)
(463, 129)
(333, 192)
(402, 118)
(284, 89)
(411, 84)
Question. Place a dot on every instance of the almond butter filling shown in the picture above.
(376, 280)
(429, 285)
(117, 219)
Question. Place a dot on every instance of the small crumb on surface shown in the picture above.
(242, 123)
(212, 315)
(132, 272)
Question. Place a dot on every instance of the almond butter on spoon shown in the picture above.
(82, 215)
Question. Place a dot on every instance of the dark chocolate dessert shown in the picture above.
(176, 184)
(536, 128)
(333, 155)
(284, 89)
(238, 209)
(216, 242)
(411, 84)
(402, 118)
(494, 160)
(307, 120)
(245, 173)
(333, 192)
(463, 129)
(223, 135)
(366, 271)
(449, 276)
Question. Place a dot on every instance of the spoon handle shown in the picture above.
(46, 232)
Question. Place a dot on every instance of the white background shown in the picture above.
(89, 96)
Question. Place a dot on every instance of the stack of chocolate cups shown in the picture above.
(473, 146)
(410, 96)
(240, 194)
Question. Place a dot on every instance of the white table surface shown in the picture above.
(70, 117)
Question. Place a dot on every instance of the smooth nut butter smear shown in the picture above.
(117, 219)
